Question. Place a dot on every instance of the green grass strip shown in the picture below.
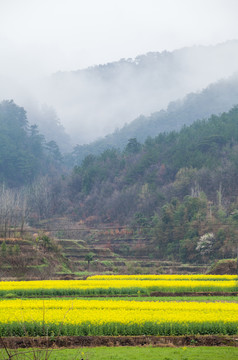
(132, 353)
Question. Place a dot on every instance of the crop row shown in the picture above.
(117, 328)
(95, 317)
(106, 287)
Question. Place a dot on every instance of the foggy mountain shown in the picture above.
(215, 99)
(40, 114)
(49, 124)
(82, 106)
(95, 101)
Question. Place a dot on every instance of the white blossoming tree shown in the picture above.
(205, 244)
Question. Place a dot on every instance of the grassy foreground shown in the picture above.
(135, 353)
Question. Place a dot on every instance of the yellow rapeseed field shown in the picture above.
(113, 317)
(163, 277)
(107, 284)
(98, 312)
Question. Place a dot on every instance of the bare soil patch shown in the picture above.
(224, 267)
(93, 341)
(161, 294)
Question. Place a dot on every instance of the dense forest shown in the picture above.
(178, 188)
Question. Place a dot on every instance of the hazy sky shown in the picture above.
(43, 36)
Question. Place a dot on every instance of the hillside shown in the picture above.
(25, 256)
(215, 99)
(177, 187)
(177, 191)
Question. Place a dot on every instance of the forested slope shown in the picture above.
(178, 187)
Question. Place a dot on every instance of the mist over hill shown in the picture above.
(78, 107)
(95, 101)
(41, 114)
(215, 99)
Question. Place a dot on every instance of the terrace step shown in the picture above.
(105, 249)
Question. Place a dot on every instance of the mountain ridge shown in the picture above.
(95, 101)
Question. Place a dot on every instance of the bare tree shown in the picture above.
(14, 209)
(40, 197)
